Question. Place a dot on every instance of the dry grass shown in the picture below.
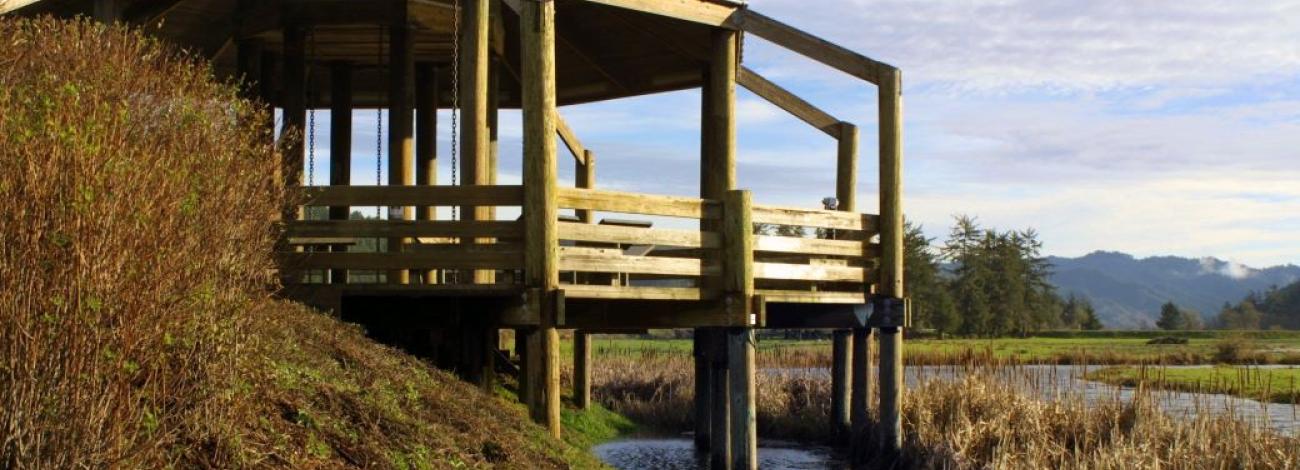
(131, 184)
(982, 421)
(136, 324)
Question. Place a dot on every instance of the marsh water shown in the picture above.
(1048, 382)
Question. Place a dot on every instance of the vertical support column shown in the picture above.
(521, 350)
(846, 183)
(586, 179)
(493, 123)
(294, 104)
(860, 441)
(340, 146)
(703, 389)
(841, 358)
(108, 11)
(401, 135)
(541, 246)
(581, 369)
(738, 266)
(249, 66)
(426, 143)
(474, 100)
(720, 434)
(891, 263)
(720, 158)
(744, 433)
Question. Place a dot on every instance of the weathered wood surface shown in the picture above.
(789, 102)
(636, 293)
(488, 257)
(640, 236)
(636, 203)
(413, 195)
(839, 220)
(572, 259)
(812, 47)
(405, 228)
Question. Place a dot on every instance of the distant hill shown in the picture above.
(1128, 291)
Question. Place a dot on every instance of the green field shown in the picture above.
(1277, 385)
(1111, 348)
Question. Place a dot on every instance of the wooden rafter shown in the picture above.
(813, 47)
(570, 139)
(697, 11)
(788, 101)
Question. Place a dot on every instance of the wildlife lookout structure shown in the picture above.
(450, 284)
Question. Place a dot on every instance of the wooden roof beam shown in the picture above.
(706, 12)
(788, 101)
(813, 47)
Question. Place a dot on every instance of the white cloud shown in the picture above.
(1062, 44)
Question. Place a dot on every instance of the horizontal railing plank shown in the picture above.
(579, 291)
(457, 257)
(413, 196)
(807, 272)
(588, 261)
(639, 236)
(405, 228)
(809, 246)
(812, 297)
(838, 220)
(636, 203)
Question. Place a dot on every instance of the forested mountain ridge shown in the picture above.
(1128, 292)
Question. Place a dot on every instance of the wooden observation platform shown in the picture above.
(577, 258)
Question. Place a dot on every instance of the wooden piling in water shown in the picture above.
(703, 390)
(744, 432)
(860, 440)
(891, 262)
(841, 380)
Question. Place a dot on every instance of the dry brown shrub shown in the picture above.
(137, 193)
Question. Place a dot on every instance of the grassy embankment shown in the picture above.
(1263, 384)
(136, 325)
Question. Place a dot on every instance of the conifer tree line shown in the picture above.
(1275, 308)
(986, 282)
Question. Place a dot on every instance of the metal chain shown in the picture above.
(455, 97)
(379, 126)
(311, 113)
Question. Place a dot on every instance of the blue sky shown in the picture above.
(1147, 127)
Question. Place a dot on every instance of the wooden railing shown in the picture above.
(633, 261)
(419, 245)
(829, 256)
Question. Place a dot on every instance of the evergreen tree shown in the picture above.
(931, 304)
(1171, 318)
(1089, 319)
(970, 275)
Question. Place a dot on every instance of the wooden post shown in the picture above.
(586, 179)
(294, 103)
(846, 171)
(720, 158)
(521, 350)
(860, 442)
(487, 360)
(744, 432)
(541, 254)
(846, 182)
(426, 143)
(703, 389)
(474, 136)
(581, 369)
(841, 357)
(340, 146)
(108, 11)
(738, 257)
(401, 133)
(249, 66)
(891, 262)
(266, 83)
(720, 434)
